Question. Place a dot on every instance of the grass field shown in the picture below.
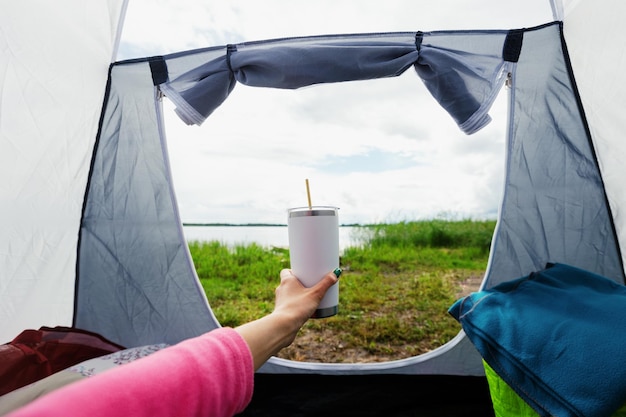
(393, 295)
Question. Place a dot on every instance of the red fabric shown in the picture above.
(36, 354)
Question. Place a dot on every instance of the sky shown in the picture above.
(380, 150)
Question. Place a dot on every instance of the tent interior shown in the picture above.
(93, 234)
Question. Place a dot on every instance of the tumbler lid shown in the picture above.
(312, 211)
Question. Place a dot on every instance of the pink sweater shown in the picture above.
(210, 375)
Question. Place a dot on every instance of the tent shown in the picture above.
(91, 231)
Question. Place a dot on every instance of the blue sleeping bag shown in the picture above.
(557, 337)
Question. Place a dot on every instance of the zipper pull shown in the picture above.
(509, 80)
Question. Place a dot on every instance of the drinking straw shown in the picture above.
(308, 192)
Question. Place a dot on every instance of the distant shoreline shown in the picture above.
(254, 225)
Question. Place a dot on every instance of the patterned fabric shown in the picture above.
(95, 366)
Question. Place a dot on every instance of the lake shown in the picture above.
(266, 236)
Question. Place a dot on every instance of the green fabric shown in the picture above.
(621, 412)
(506, 402)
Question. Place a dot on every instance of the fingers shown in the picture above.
(294, 298)
(320, 288)
(286, 273)
(326, 282)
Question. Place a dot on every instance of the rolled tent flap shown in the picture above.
(289, 64)
(464, 82)
(465, 86)
(319, 61)
(200, 91)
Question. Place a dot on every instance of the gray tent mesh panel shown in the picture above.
(136, 282)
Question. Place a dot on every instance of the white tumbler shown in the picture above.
(314, 250)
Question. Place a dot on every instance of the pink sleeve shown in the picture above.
(210, 375)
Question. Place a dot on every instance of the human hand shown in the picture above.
(297, 301)
(294, 304)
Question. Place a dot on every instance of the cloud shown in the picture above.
(381, 150)
(165, 26)
(400, 161)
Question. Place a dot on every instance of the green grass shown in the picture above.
(394, 294)
(239, 282)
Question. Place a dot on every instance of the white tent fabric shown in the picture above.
(50, 102)
(130, 227)
(595, 42)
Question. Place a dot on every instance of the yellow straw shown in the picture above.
(308, 193)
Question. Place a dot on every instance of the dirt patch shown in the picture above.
(328, 345)
(469, 285)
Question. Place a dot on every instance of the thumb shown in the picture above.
(327, 281)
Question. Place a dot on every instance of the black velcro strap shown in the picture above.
(513, 45)
(419, 37)
(158, 66)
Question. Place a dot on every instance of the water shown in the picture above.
(266, 236)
